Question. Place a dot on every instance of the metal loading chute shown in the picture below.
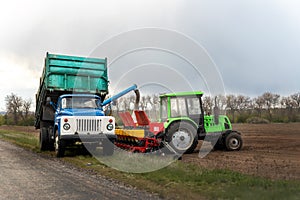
(120, 94)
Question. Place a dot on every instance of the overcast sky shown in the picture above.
(254, 45)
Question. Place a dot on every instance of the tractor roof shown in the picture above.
(180, 94)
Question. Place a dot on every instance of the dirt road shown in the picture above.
(27, 175)
(270, 150)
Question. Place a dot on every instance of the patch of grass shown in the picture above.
(180, 180)
(22, 139)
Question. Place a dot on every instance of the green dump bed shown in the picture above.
(70, 74)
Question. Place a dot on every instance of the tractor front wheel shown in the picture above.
(182, 136)
(233, 141)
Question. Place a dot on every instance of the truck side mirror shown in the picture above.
(48, 101)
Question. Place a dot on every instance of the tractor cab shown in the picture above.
(182, 106)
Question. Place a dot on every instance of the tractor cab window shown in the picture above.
(194, 107)
(178, 107)
(164, 109)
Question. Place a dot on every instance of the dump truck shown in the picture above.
(69, 104)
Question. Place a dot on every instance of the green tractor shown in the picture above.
(185, 123)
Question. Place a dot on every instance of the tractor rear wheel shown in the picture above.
(233, 141)
(182, 136)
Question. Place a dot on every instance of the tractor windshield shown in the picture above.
(185, 106)
(181, 106)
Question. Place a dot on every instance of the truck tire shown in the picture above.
(51, 140)
(59, 147)
(233, 141)
(43, 143)
(108, 147)
(182, 137)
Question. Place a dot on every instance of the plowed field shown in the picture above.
(269, 150)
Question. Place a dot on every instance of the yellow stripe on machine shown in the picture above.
(139, 133)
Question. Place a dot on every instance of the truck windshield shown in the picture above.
(80, 102)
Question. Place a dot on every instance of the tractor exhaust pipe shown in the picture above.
(216, 112)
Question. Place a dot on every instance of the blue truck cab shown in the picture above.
(79, 118)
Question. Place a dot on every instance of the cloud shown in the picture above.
(255, 44)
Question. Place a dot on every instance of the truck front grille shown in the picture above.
(88, 125)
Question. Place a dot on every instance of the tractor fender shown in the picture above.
(188, 120)
(226, 133)
(180, 120)
(223, 136)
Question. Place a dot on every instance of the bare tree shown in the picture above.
(231, 105)
(143, 102)
(270, 101)
(259, 104)
(26, 108)
(242, 102)
(208, 103)
(156, 106)
(14, 106)
(296, 98)
(288, 104)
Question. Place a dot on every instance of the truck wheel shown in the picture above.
(233, 141)
(59, 147)
(182, 137)
(51, 140)
(43, 143)
(108, 147)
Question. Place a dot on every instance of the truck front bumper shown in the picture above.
(89, 138)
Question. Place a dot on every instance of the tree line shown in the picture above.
(17, 111)
(269, 107)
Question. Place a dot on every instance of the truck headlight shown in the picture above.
(67, 126)
(110, 127)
